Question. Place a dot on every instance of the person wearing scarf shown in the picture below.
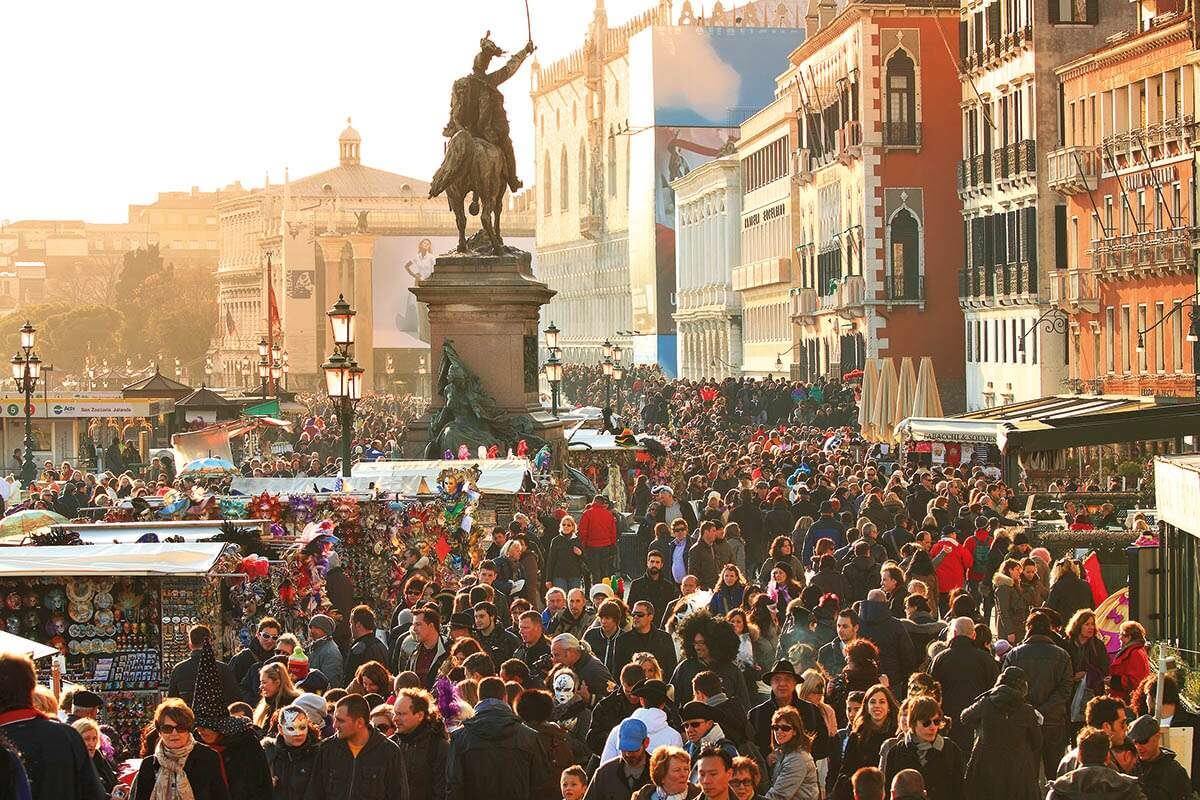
(180, 768)
(924, 749)
(669, 769)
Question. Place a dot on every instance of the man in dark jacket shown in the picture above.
(493, 754)
(783, 679)
(366, 645)
(423, 650)
(644, 637)
(832, 655)
(922, 626)
(260, 648)
(897, 655)
(1159, 775)
(535, 644)
(1094, 779)
(670, 508)
(702, 556)
(826, 527)
(965, 672)
(497, 642)
(620, 778)
(360, 763)
(183, 676)
(54, 755)
(568, 650)
(656, 586)
(1048, 668)
(421, 736)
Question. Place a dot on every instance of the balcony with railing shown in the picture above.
(804, 305)
(1075, 291)
(974, 175)
(802, 167)
(1073, 169)
(899, 289)
(763, 272)
(1171, 137)
(1148, 252)
(1016, 161)
(846, 298)
(849, 138)
(902, 134)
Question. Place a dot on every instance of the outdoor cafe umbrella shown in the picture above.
(884, 402)
(210, 466)
(927, 402)
(866, 397)
(906, 389)
(18, 525)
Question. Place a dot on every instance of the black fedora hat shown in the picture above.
(782, 667)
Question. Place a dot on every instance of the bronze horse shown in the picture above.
(473, 166)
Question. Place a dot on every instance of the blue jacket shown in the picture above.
(823, 528)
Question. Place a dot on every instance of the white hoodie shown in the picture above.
(657, 731)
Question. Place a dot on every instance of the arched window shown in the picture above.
(563, 179)
(904, 279)
(547, 194)
(612, 164)
(901, 100)
(583, 175)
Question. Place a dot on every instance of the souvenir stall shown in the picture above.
(118, 613)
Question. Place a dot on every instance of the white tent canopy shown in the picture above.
(11, 643)
(498, 475)
(130, 532)
(196, 558)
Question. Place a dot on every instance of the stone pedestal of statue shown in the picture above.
(488, 306)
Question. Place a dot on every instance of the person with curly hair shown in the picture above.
(708, 643)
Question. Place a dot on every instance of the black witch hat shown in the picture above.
(208, 702)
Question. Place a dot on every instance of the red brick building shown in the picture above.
(1126, 169)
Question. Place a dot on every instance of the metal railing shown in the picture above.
(902, 134)
(898, 288)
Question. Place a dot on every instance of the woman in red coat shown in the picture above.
(1130, 665)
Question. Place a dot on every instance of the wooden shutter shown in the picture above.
(964, 40)
(999, 223)
(993, 18)
(1031, 242)
(1060, 237)
(1093, 12)
(1054, 18)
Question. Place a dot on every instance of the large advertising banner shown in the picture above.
(400, 321)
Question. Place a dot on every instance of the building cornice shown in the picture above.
(1117, 52)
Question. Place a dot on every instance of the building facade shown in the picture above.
(1012, 232)
(617, 122)
(1126, 167)
(352, 230)
(708, 315)
(763, 277)
(875, 213)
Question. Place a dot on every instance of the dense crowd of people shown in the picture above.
(806, 621)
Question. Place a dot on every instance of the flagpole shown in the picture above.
(270, 330)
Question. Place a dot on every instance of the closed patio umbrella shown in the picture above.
(906, 389)
(884, 402)
(869, 381)
(927, 402)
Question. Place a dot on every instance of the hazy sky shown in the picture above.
(107, 104)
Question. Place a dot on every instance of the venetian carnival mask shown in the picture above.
(293, 724)
(564, 688)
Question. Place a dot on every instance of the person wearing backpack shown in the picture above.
(979, 583)
(560, 749)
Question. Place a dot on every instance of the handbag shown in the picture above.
(1080, 700)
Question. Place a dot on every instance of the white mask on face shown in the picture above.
(564, 688)
(293, 723)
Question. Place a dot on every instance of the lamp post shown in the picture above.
(287, 367)
(343, 376)
(606, 366)
(618, 372)
(554, 378)
(26, 369)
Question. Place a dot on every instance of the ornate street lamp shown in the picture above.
(551, 337)
(554, 378)
(343, 375)
(26, 369)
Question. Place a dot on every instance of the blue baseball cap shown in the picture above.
(631, 735)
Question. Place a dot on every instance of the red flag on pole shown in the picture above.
(273, 320)
(1091, 573)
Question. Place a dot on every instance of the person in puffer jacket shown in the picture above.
(1010, 610)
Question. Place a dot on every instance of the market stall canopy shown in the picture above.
(156, 385)
(130, 532)
(196, 558)
(497, 475)
(11, 643)
(213, 440)
(1060, 421)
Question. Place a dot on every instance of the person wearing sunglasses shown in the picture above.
(180, 766)
(793, 771)
(926, 750)
(701, 728)
(260, 647)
